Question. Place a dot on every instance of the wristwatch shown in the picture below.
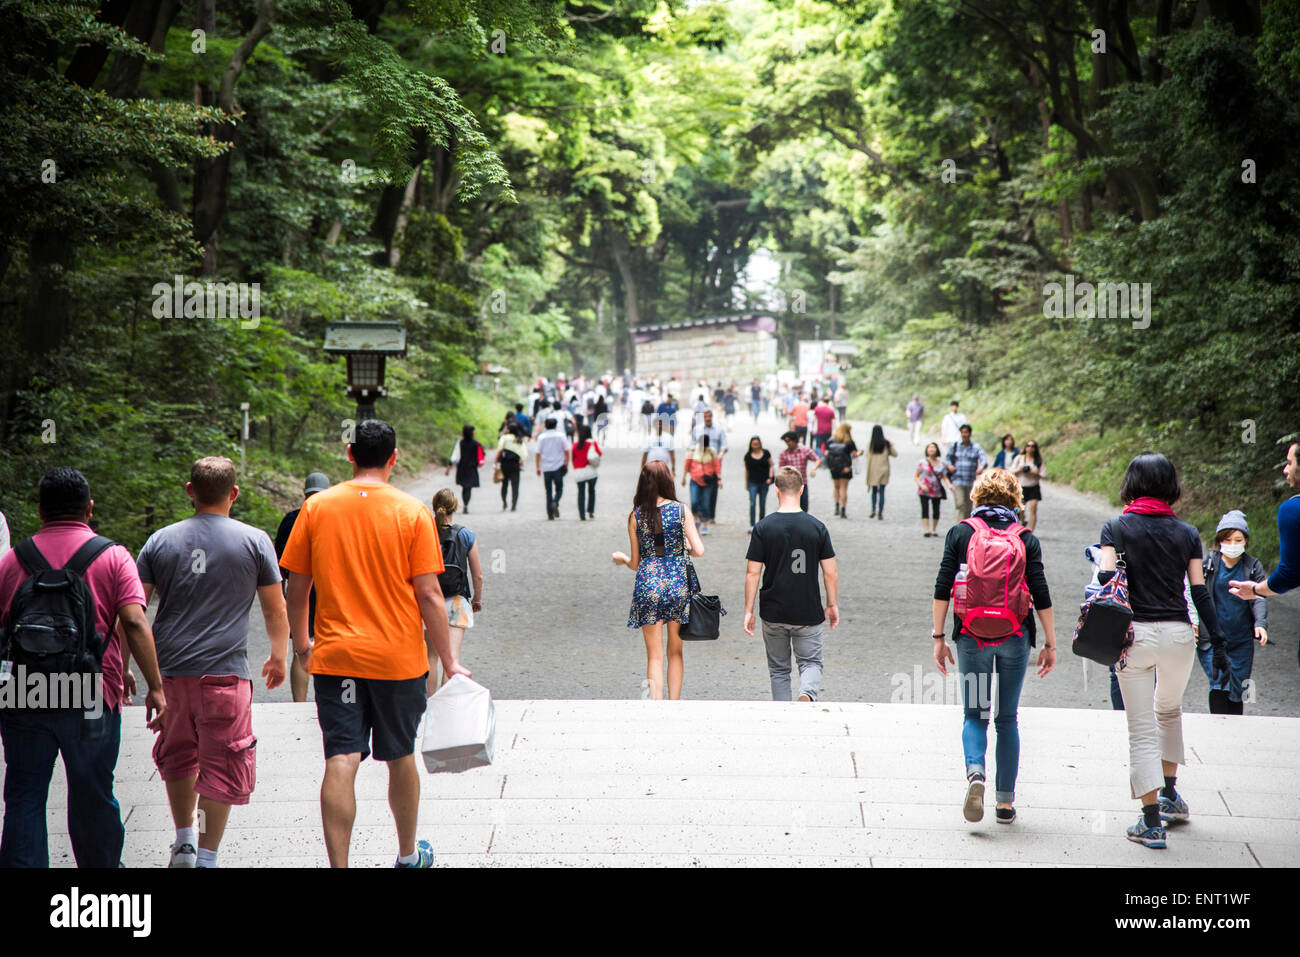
(938, 634)
(304, 654)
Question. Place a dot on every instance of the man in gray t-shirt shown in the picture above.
(207, 569)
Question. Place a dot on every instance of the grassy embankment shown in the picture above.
(1009, 379)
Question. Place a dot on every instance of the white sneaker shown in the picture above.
(183, 855)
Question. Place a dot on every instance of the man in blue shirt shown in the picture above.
(667, 412)
(1287, 574)
(969, 460)
(525, 421)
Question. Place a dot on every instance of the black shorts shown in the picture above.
(354, 711)
(1031, 493)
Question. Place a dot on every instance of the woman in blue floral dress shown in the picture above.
(659, 529)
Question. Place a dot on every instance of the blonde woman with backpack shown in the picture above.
(462, 569)
(991, 633)
(840, 453)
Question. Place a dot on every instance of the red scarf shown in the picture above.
(1147, 505)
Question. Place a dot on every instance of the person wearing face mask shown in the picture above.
(1242, 622)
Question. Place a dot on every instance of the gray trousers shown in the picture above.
(806, 642)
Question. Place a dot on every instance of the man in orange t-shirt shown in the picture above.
(799, 419)
(372, 553)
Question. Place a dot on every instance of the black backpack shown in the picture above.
(51, 620)
(837, 457)
(454, 579)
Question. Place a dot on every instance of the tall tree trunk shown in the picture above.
(391, 204)
(87, 61)
(212, 175)
(149, 21)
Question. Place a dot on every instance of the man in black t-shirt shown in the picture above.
(316, 482)
(785, 550)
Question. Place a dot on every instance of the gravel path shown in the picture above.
(555, 611)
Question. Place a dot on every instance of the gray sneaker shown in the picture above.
(1174, 809)
(183, 855)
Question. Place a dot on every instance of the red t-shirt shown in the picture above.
(580, 453)
(112, 578)
(825, 416)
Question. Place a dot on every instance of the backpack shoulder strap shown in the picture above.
(87, 553)
(975, 522)
(31, 557)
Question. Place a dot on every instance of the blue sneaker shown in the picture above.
(1147, 836)
(425, 850)
(1175, 809)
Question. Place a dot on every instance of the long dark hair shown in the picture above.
(584, 435)
(878, 441)
(467, 443)
(654, 483)
(1038, 455)
(750, 450)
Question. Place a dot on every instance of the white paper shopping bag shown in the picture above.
(459, 727)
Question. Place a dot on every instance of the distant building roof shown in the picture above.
(749, 322)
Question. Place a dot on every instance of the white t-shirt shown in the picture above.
(552, 446)
(657, 449)
(952, 423)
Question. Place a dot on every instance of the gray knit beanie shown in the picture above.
(1233, 519)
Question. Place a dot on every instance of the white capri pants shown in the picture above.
(1165, 650)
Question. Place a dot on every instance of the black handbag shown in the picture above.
(1105, 628)
(706, 610)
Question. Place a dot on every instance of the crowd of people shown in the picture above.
(367, 593)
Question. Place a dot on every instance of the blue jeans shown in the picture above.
(754, 408)
(878, 500)
(554, 480)
(976, 666)
(703, 498)
(757, 494)
(587, 497)
(32, 743)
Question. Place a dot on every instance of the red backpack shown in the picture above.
(997, 596)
